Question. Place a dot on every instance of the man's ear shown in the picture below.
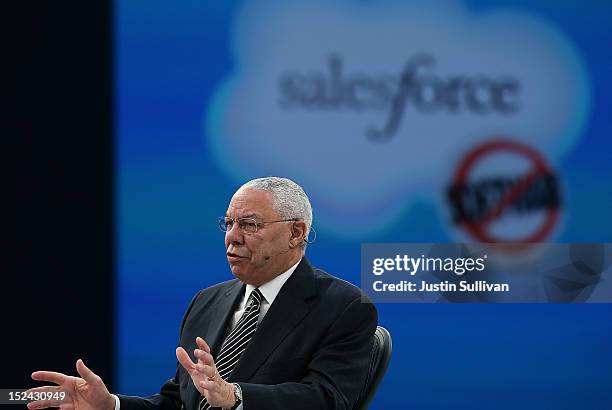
(298, 233)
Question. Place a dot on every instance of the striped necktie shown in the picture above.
(236, 342)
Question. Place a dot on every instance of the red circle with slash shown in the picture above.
(539, 166)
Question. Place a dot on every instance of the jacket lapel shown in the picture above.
(221, 315)
(287, 311)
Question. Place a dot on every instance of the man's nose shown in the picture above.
(234, 235)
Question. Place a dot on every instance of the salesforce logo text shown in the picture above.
(417, 86)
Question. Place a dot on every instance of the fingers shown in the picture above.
(185, 360)
(53, 377)
(88, 375)
(40, 404)
(208, 371)
(43, 404)
(202, 344)
(49, 396)
(205, 365)
(44, 389)
(204, 357)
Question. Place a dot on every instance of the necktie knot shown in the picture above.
(256, 297)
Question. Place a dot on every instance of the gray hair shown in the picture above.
(290, 200)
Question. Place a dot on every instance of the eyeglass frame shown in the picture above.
(223, 224)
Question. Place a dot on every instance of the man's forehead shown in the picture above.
(251, 203)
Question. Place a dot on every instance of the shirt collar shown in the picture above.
(270, 289)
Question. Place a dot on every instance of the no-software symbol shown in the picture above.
(478, 203)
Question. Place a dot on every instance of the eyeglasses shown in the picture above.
(247, 225)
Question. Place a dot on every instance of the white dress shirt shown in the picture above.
(269, 290)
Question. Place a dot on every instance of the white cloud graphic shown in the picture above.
(315, 81)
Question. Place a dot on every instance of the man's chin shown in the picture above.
(244, 275)
(238, 271)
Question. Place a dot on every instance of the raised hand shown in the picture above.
(205, 377)
(87, 392)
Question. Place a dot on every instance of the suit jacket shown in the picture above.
(310, 351)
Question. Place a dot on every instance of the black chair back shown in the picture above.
(379, 361)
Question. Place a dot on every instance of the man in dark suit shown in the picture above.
(282, 335)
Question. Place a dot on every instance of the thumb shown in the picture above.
(86, 373)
